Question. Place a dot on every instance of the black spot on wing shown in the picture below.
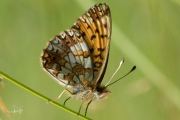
(92, 37)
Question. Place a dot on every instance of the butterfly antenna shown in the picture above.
(120, 64)
(134, 67)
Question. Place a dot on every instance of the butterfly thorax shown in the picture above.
(90, 92)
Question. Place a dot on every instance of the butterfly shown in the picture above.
(77, 58)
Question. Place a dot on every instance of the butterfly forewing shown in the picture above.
(95, 27)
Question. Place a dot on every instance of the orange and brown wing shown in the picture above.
(95, 28)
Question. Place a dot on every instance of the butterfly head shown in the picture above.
(101, 93)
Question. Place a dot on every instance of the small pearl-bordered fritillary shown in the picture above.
(77, 58)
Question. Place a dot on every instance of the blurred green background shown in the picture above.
(145, 32)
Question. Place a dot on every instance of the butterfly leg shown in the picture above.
(87, 106)
(83, 102)
(68, 97)
(66, 100)
(80, 107)
(57, 97)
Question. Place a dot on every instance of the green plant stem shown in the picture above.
(41, 96)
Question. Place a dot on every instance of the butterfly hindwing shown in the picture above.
(67, 59)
